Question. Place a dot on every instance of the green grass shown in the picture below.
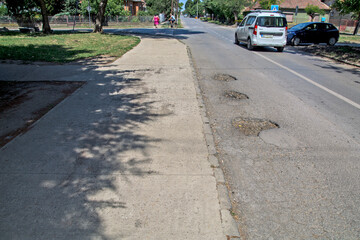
(62, 47)
(167, 24)
(349, 38)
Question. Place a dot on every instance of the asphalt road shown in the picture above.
(301, 180)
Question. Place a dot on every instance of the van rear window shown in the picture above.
(272, 21)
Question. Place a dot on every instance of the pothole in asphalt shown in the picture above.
(253, 126)
(224, 77)
(236, 95)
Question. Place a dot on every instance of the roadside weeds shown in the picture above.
(345, 54)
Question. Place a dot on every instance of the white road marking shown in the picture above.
(354, 104)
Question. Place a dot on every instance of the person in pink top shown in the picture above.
(156, 20)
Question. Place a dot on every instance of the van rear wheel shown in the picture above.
(236, 39)
(280, 49)
(249, 44)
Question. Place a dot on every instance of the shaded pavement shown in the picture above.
(126, 156)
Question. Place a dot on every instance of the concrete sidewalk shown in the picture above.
(124, 157)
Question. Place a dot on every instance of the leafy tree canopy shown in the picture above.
(347, 7)
(226, 10)
(113, 8)
(158, 6)
(194, 7)
(31, 8)
(312, 10)
(3, 9)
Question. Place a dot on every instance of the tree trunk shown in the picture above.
(45, 18)
(100, 16)
(357, 26)
(235, 16)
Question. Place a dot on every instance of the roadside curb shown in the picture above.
(229, 225)
(328, 57)
(338, 60)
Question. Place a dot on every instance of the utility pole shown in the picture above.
(197, 9)
(89, 9)
(177, 11)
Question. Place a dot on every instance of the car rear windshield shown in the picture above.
(271, 22)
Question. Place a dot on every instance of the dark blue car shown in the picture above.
(313, 32)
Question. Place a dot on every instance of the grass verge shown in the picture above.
(346, 54)
(347, 38)
(62, 47)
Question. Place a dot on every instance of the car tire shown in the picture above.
(295, 41)
(280, 49)
(331, 41)
(236, 40)
(249, 44)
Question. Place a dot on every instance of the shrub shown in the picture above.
(135, 20)
(143, 13)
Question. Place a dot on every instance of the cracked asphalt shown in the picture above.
(298, 181)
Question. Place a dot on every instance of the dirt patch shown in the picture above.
(224, 77)
(346, 54)
(235, 95)
(23, 103)
(253, 126)
(99, 60)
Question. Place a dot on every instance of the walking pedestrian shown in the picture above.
(156, 20)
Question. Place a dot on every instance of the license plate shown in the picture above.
(267, 36)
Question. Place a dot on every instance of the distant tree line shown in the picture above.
(31, 11)
(230, 10)
(223, 10)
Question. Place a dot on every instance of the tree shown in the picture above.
(45, 17)
(235, 6)
(99, 20)
(113, 8)
(26, 11)
(181, 5)
(194, 8)
(228, 10)
(312, 10)
(349, 6)
(159, 6)
(3, 9)
(69, 7)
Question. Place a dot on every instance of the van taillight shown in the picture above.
(255, 30)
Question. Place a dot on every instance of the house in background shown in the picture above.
(344, 23)
(288, 7)
(134, 6)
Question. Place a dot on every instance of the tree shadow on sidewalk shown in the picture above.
(61, 178)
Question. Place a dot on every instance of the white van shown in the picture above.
(263, 28)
